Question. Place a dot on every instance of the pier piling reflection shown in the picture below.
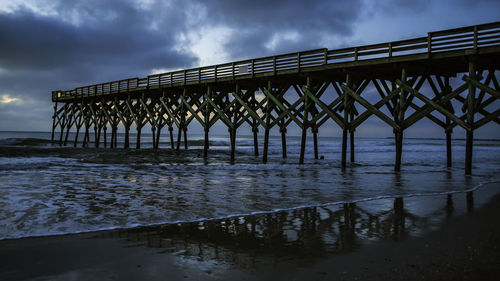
(307, 233)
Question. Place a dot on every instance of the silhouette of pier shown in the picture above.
(448, 77)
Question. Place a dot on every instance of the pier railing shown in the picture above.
(465, 38)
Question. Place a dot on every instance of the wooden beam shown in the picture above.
(427, 108)
(433, 105)
(371, 108)
(325, 108)
(481, 86)
(280, 105)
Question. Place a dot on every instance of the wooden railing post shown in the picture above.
(429, 43)
(475, 37)
(274, 65)
(298, 62)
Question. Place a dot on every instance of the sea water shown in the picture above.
(46, 189)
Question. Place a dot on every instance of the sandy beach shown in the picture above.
(463, 244)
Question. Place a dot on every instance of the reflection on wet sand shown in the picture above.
(300, 233)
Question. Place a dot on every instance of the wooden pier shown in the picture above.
(447, 77)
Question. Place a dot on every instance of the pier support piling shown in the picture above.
(171, 133)
(470, 120)
(68, 127)
(179, 137)
(448, 146)
(138, 139)
(104, 135)
(400, 116)
(153, 136)
(283, 140)
(344, 148)
(86, 136)
(206, 126)
(315, 140)
(54, 123)
(352, 145)
(185, 138)
(75, 143)
(157, 142)
(63, 124)
(113, 135)
(268, 124)
(127, 137)
(399, 150)
(255, 131)
(346, 107)
(206, 142)
(305, 123)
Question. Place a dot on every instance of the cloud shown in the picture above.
(6, 98)
(47, 42)
(261, 27)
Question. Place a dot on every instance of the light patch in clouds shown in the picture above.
(145, 4)
(43, 8)
(163, 70)
(278, 38)
(208, 44)
(6, 98)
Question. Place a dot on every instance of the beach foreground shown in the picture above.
(440, 237)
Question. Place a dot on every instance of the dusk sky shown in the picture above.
(49, 45)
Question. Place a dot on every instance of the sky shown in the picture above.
(48, 45)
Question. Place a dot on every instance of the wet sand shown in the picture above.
(416, 238)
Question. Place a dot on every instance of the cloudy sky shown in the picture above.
(47, 45)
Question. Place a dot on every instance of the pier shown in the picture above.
(448, 77)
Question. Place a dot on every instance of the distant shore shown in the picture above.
(466, 246)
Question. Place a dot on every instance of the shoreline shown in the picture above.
(439, 237)
(256, 213)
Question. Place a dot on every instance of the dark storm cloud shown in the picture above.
(257, 22)
(391, 6)
(469, 3)
(36, 42)
(285, 14)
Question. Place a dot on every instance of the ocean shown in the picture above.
(46, 189)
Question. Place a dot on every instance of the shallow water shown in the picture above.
(48, 189)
